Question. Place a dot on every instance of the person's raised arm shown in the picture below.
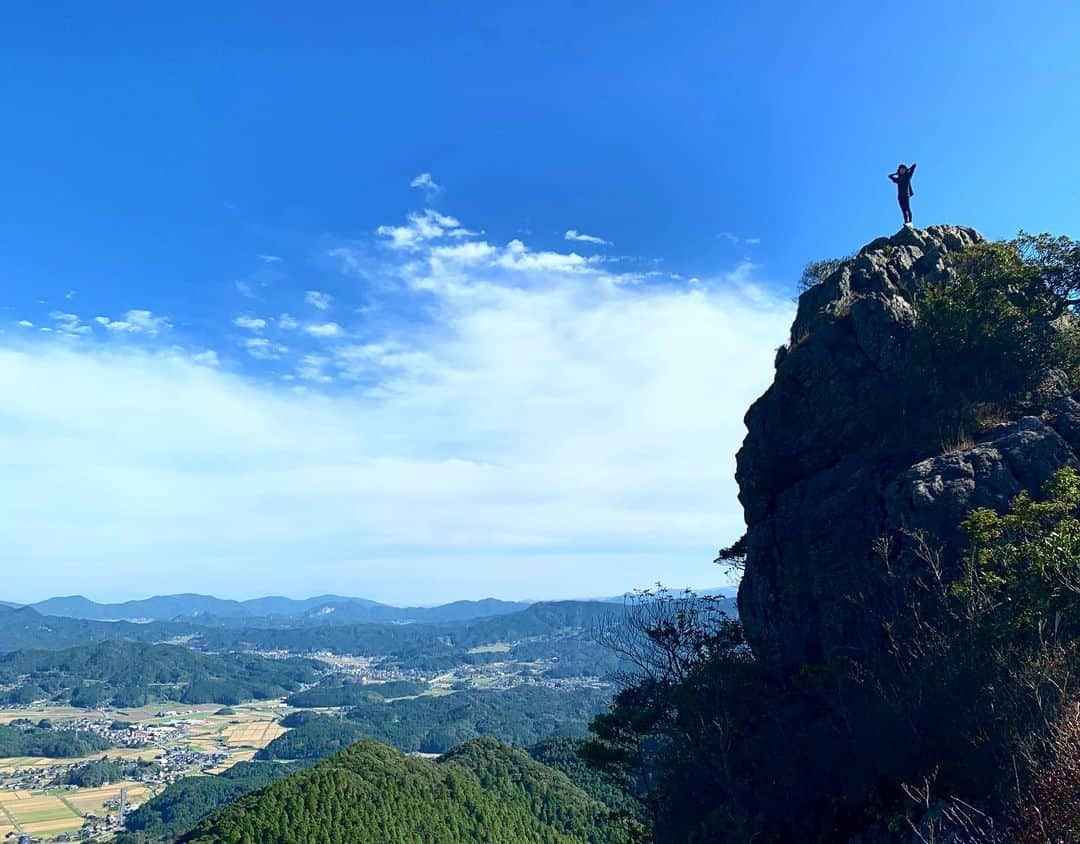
(894, 177)
(911, 169)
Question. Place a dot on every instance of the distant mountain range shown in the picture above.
(209, 610)
(275, 610)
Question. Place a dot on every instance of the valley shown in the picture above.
(181, 714)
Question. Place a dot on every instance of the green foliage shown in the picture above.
(980, 656)
(1024, 568)
(336, 693)
(522, 715)
(24, 694)
(25, 740)
(612, 789)
(992, 331)
(103, 771)
(816, 272)
(130, 674)
(313, 737)
(370, 792)
(186, 802)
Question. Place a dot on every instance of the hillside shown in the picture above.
(131, 674)
(483, 791)
(25, 627)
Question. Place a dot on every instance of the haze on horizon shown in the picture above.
(421, 305)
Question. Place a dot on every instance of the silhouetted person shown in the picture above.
(902, 178)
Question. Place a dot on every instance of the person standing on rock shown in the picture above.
(902, 179)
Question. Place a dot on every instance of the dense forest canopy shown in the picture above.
(482, 792)
(25, 739)
(132, 674)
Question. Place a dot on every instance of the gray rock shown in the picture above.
(839, 453)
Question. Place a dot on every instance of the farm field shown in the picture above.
(40, 814)
(9, 764)
(235, 735)
(255, 734)
(94, 799)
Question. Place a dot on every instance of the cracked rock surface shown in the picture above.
(837, 455)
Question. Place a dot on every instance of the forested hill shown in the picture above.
(26, 628)
(130, 674)
(483, 791)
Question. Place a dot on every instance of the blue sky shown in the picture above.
(249, 346)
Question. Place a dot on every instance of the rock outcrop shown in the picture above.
(840, 454)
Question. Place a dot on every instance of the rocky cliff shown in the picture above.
(842, 451)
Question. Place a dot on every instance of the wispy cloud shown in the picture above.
(207, 357)
(739, 240)
(69, 324)
(425, 183)
(535, 413)
(323, 329)
(250, 323)
(136, 321)
(261, 348)
(423, 226)
(318, 299)
(311, 368)
(581, 237)
(270, 259)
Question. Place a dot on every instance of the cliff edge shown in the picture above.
(845, 454)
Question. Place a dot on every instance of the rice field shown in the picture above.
(94, 799)
(40, 813)
(241, 732)
(14, 763)
(255, 734)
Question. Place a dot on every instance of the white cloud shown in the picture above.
(517, 256)
(262, 349)
(206, 358)
(740, 240)
(244, 289)
(324, 329)
(136, 321)
(425, 183)
(69, 324)
(422, 226)
(581, 237)
(318, 299)
(545, 429)
(269, 259)
(465, 253)
(25, 323)
(311, 368)
(250, 323)
(288, 322)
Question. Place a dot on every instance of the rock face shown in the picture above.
(839, 455)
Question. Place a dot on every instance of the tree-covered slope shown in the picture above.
(187, 801)
(134, 673)
(483, 791)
